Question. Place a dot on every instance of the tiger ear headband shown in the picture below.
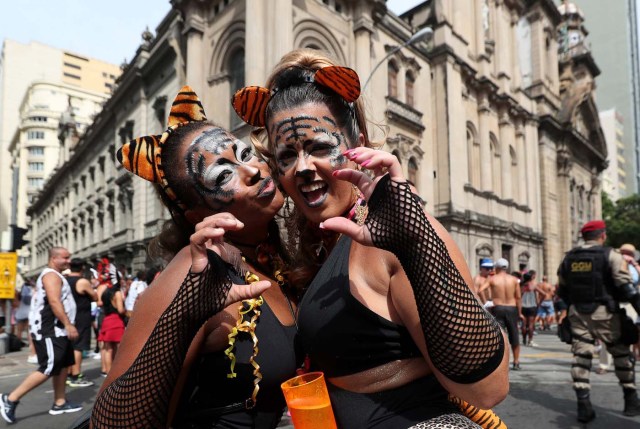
(142, 156)
(250, 102)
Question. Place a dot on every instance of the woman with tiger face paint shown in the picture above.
(388, 314)
(174, 360)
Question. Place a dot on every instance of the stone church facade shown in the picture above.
(479, 117)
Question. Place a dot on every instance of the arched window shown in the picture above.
(397, 155)
(473, 150)
(515, 183)
(236, 79)
(409, 84)
(393, 80)
(412, 171)
(496, 164)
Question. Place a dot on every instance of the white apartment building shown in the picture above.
(48, 111)
(613, 179)
(22, 64)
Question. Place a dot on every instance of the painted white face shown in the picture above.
(309, 147)
(228, 176)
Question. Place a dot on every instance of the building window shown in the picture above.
(36, 166)
(397, 155)
(236, 79)
(36, 150)
(393, 80)
(409, 84)
(72, 76)
(35, 135)
(412, 172)
(514, 174)
(473, 148)
(35, 182)
(38, 118)
(496, 164)
(73, 66)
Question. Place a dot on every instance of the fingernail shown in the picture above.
(335, 173)
(347, 152)
(365, 163)
(321, 226)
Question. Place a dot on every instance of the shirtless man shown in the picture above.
(545, 297)
(507, 309)
(481, 280)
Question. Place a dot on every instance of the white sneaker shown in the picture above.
(97, 356)
(32, 359)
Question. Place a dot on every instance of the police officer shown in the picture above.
(593, 280)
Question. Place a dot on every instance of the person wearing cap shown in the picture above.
(593, 280)
(628, 252)
(507, 305)
(481, 280)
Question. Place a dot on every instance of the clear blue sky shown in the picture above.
(104, 29)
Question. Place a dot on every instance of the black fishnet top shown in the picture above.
(140, 397)
(464, 342)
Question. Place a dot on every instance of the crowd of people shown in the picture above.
(58, 311)
(413, 341)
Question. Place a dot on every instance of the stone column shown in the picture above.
(362, 30)
(523, 164)
(194, 32)
(515, 63)
(255, 71)
(483, 131)
(505, 154)
(281, 22)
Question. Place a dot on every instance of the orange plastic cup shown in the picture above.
(308, 402)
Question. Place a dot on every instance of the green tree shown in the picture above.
(623, 220)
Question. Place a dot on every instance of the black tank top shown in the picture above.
(339, 333)
(209, 387)
(107, 305)
(83, 301)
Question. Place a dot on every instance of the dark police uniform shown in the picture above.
(591, 277)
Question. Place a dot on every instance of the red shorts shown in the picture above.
(112, 328)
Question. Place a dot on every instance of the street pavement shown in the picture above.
(540, 396)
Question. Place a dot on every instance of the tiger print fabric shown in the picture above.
(143, 155)
(250, 103)
(486, 419)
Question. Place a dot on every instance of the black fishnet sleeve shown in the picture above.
(464, 342)
(140, 397)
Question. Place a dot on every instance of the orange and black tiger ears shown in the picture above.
(250, 102)
(186, 108)
(142, 156)
(341, 80)
(139, 157)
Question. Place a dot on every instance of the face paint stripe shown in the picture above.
(330, 120)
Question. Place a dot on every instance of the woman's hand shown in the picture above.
(209, 235)
(380, 163)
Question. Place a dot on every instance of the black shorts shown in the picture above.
(529, 311)
(507, 316)
(83, 342)
(54, 354)
(560, 305)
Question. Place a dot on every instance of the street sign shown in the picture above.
(8, 269)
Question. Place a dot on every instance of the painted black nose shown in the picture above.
(305, 174)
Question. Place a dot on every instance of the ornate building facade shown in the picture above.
(465, 113)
